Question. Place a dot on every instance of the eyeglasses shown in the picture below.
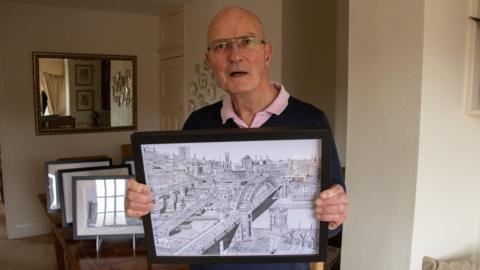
(222, 46)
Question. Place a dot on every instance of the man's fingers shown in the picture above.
(333, 225)
(132, 184)
(328, 217)
(341, 198)
(332, 192)
(134, 213)
(139, 197)
(332, 209)
(140, 206)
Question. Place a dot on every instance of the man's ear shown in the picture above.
(268, 53)
(207, 59)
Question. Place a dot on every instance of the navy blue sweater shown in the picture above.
(298, 114)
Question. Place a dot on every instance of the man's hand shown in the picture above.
(332, 206)
(138, 200)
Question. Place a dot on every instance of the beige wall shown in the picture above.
(447, 206)
(28, 28)
(314, 58)
(309, 54)
(341, 81)
(384, 87)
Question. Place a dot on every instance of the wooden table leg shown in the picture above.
(59, 253)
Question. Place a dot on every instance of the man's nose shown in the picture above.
(235, 54)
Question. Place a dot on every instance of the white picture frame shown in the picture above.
(65, 181)
(98, 208)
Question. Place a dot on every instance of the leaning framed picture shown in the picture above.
(51, 179)
(65, 178)
(99, 208)
(84, 100)
(131, 163)
(84, 75)
(233, 195)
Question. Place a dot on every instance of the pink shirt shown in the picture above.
(277, 107)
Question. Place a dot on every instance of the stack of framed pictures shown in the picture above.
(65, 179)
(98, 208)
(233, 196)
(51, 176)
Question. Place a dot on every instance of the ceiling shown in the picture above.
(145, 7)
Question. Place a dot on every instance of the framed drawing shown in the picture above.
(65, 182)
(99, 208)
(84, 100)
(84, 75)
(51, 179)
(233, 196)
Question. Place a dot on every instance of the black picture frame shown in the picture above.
(261, 137)
(81, 229)
(84, 100)
(66, 182)
(52, 187)
(84, 74)
(131, 163)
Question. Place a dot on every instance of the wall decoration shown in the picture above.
(200, 100)
(206, 66)
(83, 74)
(197, 69)
(122, 88)
(212, 92)
(84, 100)
(192, 88)
(202, 80)
(203, 89)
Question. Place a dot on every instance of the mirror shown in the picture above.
(84, 92)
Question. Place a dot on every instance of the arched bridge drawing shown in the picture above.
(255, 198)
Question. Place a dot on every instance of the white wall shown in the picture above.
(28, 28)
(199, 13)
(447, 207)
(385, 68)
(412, 171)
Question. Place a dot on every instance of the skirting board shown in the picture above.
(28, 229)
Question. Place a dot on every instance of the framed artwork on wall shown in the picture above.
(84, 75)
(98, 208)
(233, 196)
(84, 100)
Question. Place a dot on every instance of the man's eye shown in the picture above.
(247, 41)
(220, 46)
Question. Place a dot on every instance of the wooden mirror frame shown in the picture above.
(79, 56)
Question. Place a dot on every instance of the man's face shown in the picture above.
(236, 53)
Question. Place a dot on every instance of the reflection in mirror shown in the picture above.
(84, 93)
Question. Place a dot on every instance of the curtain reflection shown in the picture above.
(54, 87)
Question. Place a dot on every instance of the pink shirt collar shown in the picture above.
(278, 105)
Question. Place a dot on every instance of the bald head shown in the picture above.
(233, 18)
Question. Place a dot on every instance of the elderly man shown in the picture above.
(240, 58)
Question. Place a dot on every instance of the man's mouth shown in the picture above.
(237, 73)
